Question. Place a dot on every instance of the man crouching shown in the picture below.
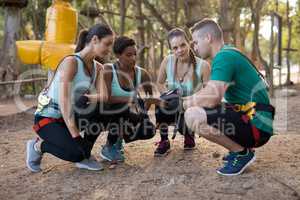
(245, 120)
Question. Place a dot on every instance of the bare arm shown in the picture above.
(101, 87)
(68, 70)
(162, 75)
(209, 96)
(205, 72)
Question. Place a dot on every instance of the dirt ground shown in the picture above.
(180, 175)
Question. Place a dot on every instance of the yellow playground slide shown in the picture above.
(60, 36)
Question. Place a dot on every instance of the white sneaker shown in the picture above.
(33, 158)
(89, 164)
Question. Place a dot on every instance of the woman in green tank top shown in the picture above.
(179, 70)
(123, 79)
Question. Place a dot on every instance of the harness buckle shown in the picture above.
(237, 108)
(248, 109)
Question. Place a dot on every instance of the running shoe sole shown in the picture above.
(81, 166)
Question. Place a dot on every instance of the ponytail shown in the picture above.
(195, 77)
(85, 36)
(81, 40)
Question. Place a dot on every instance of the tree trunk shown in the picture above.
(148, 42)
(122, 16)
(175, 16)
(156, 14)
(193, 12)
(255, 41)
(268, 72)
(110, 16)
(9, 62)
(256, 53)
(141, 33)
(255, 17)
(100, 17)
(38, 18)
(236, 27)
(161, 56)
(244, 34)
(289, 24)
(225, 20)
(237, 33)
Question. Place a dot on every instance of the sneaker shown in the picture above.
(119, 156)
(111, 153)
(237, 164)
(33, 157)
(189, 142)
(89, 164)
(119, 145)
(231, 155)
(163, 148)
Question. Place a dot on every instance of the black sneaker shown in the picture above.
(189, 142)
(163, 148)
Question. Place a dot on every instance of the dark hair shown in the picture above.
(176, 32)
(210, 26)
(121, 43)
(85, 36)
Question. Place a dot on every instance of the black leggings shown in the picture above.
(119, 120)
(130, 126)
(57, 139)
(233, 125)
(165, 119)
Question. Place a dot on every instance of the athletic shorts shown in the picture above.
(236, 126)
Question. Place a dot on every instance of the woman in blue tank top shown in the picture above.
(125, 79)
(55, 121)
(184, 71)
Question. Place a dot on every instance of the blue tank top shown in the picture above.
(80, 83)
(117, 90)
(187, 86)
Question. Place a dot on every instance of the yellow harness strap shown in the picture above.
(248, 108)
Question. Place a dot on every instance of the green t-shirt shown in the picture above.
(245, 84)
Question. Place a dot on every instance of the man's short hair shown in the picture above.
(208, 26)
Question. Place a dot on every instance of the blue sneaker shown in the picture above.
(119, 145)
(119, 156)
(237, 164)
(33, 158)
(231, 155)
(111, 153)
